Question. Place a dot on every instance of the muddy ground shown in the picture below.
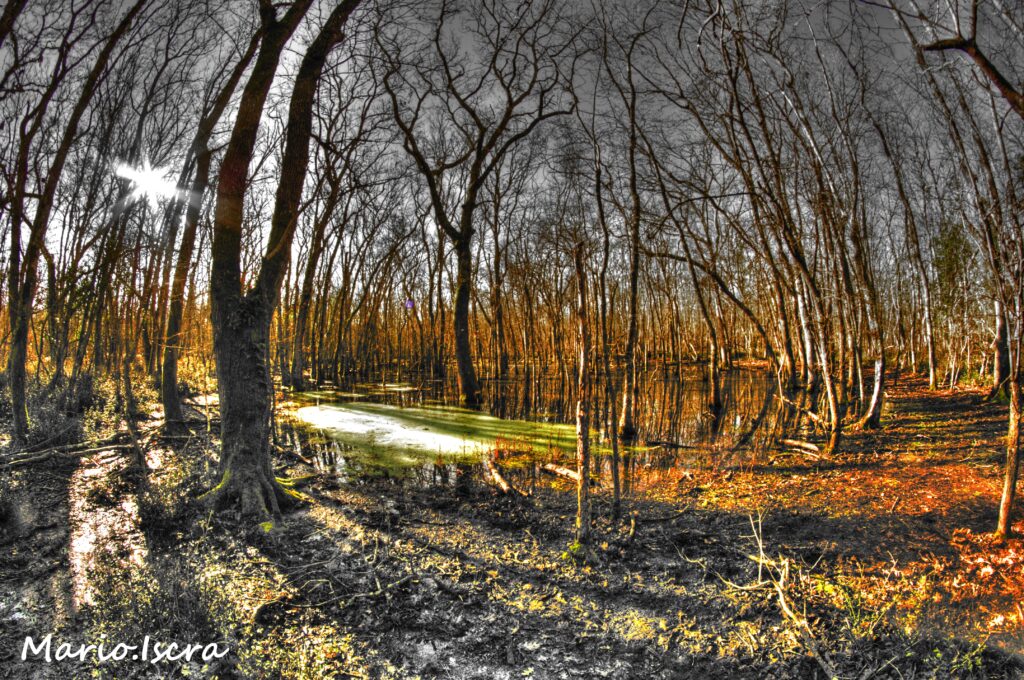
(875, 563)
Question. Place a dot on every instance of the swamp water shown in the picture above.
(414, 432)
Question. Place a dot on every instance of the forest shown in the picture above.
(511, 339)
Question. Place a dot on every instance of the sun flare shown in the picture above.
(150, 183)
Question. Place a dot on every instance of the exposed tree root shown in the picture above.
(261, 498)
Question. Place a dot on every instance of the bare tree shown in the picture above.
(995, 220)
(241, 319)
(203, 155)
(23, 268)
(460, 111)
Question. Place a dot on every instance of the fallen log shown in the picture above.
(499, 479)
(560, 471)
(797, 452)
(18, 461)
(673, 445)
(116, 438)
(800, 444)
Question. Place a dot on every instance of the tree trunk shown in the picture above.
(297, 379)
(1012, 469)
(169, 395)
(469, 388)
(582, 407)
(244, 386)
(610, 421)
(627, 424)
(1001, 358)
(872, 418)
(241, 321)
(928, 334)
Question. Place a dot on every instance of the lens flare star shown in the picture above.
(150, 183)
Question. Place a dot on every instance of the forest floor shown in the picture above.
(875, 563)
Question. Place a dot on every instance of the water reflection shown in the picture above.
(415, 432)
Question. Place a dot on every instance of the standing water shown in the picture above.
(416, 432)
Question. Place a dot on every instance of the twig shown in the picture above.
(665, 518)
(381, 590)
(807, 412)
(778, 576)
(113, 439)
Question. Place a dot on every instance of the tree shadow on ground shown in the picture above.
(484, 587)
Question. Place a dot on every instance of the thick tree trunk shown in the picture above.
(469, 387)
(11, 11)
(244, 386)
(241, 320)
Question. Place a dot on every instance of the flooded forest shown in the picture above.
(507, 339)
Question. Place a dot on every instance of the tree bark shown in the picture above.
(609, 381)
(169, 394)
(1001, 355)
(469, 387)
(296, 374)
(627, 424)
(872, 418)
(11, 11)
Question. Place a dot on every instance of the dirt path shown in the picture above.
(35, 582)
